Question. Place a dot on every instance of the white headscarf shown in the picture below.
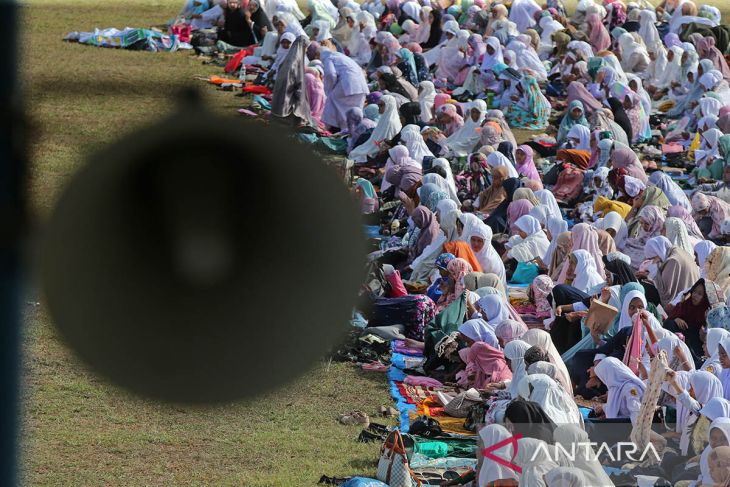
(444, 164)
(625, 319)
(494, 309)
(514, 351)
(533, 456)
(447, 211)
(491, 59)
(702, 249)
(658, 247)
(714, 337)
(490, 470)
(426, 100)
(542, 339)
(586, 275)
(709, 148)
(676, 233)
(723, 424)
(488, 257)
(582, 134)
(629, 47)
(496, 159)
(648, 30)
(673, 69)
(534, 245)
(616, 222)
(479, 331)
(463, 140)
(671, 190)
(522, 13)
(545, 391)
(413, 140)
(556, 226)
(281, 52)
(388, 126)
(618, 378)
(548, 199)
(633, 186)
(716, 407)
(527, 58)
(586, 461)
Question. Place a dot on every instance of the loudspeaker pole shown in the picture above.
(12, 233)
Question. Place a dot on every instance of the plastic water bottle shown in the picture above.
(242, 74)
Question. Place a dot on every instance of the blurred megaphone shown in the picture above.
(203, 259)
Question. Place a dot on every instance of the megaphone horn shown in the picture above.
(202, 259)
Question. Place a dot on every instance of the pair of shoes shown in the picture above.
(355, 417)
(388, 412)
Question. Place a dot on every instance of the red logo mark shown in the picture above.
(487, 453)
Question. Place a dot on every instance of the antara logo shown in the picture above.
(623, 451)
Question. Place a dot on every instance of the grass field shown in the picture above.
(77, 429)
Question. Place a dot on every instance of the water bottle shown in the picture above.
(242, 74)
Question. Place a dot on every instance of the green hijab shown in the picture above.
(594, 64)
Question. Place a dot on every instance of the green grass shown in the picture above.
(79, 430)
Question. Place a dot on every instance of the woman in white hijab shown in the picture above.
(533, 456)
(585, 459)
(615, 225)
(545, 391)
(364, 31)
(411, 137)
(426, 97)
(548, 199)
(493, 309)
(634, 56)
(514, 351)
(580, 136)
(648, 30)
(625, 389)
(522, 13)
(388, 126)
(451, 56)
(672, 71)
(712, 343)
(555, 226)
(586, 275)
(709, 148)
(722, 425)
(672, 191)
(461, 142)
(281, 51)
(492, 55)
(444, 164)
(532, 243)
(542, 339)
(527, 58)
(676, 232)
(489, 470)
(702, 250)
(480, 240)
(549, 26)
(496, 159)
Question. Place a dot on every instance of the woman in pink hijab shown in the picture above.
(710, 206)
(599, 37)
(706, 50)
(315, 93)
(585, 237)
(485, 365)
(623, 156)
(440, 100)
(525, 165)
(451, 119)
(515, 210)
